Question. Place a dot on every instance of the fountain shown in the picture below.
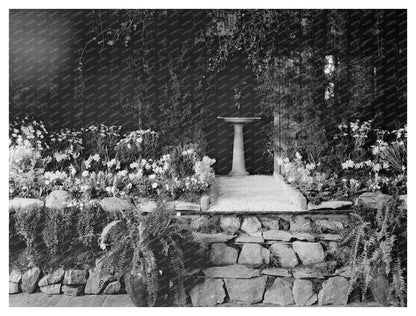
(239, 164)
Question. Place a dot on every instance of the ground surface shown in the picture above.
(121, 300)
(255, 194)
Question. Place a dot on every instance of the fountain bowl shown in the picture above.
(239, 120)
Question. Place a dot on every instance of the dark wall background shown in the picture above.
(45, 47)
(46, 78)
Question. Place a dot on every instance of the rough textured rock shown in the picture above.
(230, 224)
(15, 276)
(307, 274)
(113, 204)
(249, 239)
(271, 224)
(246, 290)
(327, 225)
(144, 205)
(277, 235)
(303, 293)
(108, 230)
(329, 237)
(251, 225)
(52, 278)
(30, 280)
(57, 199)
(372, 200)
(93, 281)
(309, 252)
(205, 202)
(280, 293)
(51, 289)
(221, 254)
(254, 254)
(332, 205)
(277, 272)
(211, 238)
(284, 255)
(303, 236)
(300, 224)
(75, 277)
(208, 293)
(334, 292)
(17, 203)
(72, 290)
(14, 288)
(236, 271)
(113, 288)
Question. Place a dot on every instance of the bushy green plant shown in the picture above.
(152, 244)
(29, 223)
(377, 247)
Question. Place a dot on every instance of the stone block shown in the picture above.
(284, 255)
(334, 292)
(230, 224)
(309, 252)
(15, 276)
(372, 200)
(249, 239)
(235, 271)
(22, 203)
(221, 254)
(52, 278)
(303, 236)
(72, 290)
(211, 238)
(75, 277)
(208, 293)
(113, 288)
(277, 235)
(279, 293)
(251, 225)
(330, 205)
(303, 293)
(327, 225)
(277, 272)
(246, 290)
(300, 224)
(14, 288)
(113, 204)
(254, 254)
(30, 280)
(52, 289)
(270, 223)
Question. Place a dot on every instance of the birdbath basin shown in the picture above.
(239, 163)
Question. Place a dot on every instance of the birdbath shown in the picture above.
(239, 163)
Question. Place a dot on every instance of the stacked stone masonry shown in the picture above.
(265, 259)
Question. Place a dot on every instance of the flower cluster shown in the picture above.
(30, 130)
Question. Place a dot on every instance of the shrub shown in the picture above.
(29, 223)
(377, 246)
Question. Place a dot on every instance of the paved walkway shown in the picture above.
(43, 300)
(121, 300)
(256, 194)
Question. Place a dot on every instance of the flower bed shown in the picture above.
(101, 161)
(360, 159)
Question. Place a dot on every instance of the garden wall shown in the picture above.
(277, 259)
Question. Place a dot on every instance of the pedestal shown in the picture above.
(239, 163)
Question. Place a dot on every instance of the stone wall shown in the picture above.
(271, 259)
(281, 260)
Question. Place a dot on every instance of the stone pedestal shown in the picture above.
(239, 163)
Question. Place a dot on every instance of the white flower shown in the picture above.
(103, 246)
(377, 167)
(134, 165)
(347, 164)
(298, 156)
(96, 157)
(111, 163)
(152, 176)
(154, 185)
(85, 173)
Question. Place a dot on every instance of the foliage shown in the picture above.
(152, 244)
(29, 223)
(377, 246)
(363, 159)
